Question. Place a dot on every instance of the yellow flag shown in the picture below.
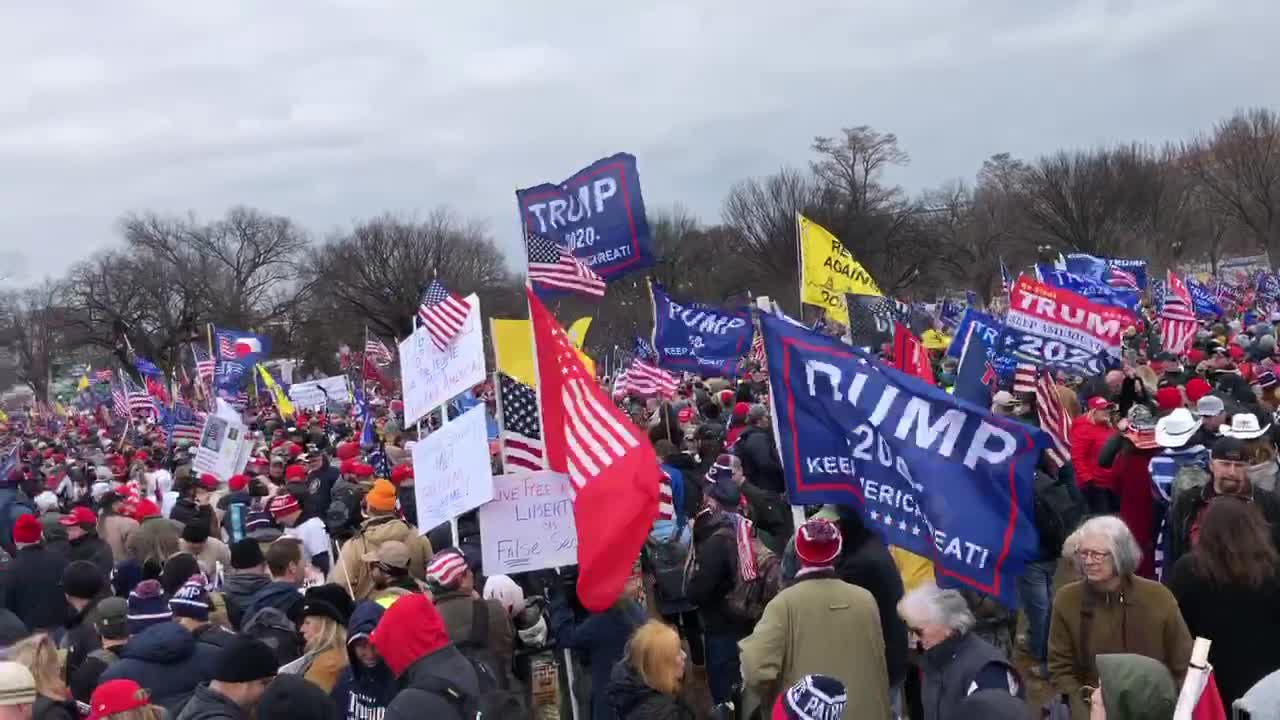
(282, 401)
(828, 270)
(513, 347)
(83, 384)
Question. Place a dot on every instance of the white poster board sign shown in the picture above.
(317, 393)
(451, 470)
(224, 446)
(529, 524)
(430, 376)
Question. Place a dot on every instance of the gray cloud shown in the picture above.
(333, 111)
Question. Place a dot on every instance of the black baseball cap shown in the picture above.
(1229, 448)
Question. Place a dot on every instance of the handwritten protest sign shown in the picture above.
(529, 524)
(431, 376)
(451, 469)
(318, 393)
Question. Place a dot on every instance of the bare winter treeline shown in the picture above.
(1200, 200)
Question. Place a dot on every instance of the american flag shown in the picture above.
(521, 434)
(1121, 279)
(205, 364)
(553, 267)
(102, 376)
(1177, 317)
(1006, 282)
(137, 398)
(756, 353)
(183, 423)
(613, 472)
(376, 351)
(119, 405)
(1054, 419)
(1024, 378)
(226, 347)
(442, 312)
(647, 380)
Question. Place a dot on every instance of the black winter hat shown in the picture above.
(195, 531)
(329, 600)
(83, 580)
(245, 660)
(290, 697)
(245, 554)
(177, 571)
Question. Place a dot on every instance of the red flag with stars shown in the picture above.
(611, 466)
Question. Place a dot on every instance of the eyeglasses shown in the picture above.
(1093, 555)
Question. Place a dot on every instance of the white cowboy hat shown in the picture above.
(1244, 426)
(1176, 428)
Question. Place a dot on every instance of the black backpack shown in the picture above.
(492, 702)
(1059, 510)
(277, 631)
(666, 560)
(476, 646)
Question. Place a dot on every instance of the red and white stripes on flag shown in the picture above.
(1054, 419)
(1024, 378)
(666, 505)
(646, 380)
(442, 312)
(756, 354)
(612, 469)
(375, 350)
(1177, 317)
(521, 431)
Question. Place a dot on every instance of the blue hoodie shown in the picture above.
(363, 693)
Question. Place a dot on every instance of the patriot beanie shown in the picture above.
(282, 505)
(447, 568)
(147, 606)
(191, 601)
(27, 530)
(813, 697)
(818, 542)
(245, 660)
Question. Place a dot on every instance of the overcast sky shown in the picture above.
(333, 110)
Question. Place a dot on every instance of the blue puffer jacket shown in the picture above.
(363, 693)
(283, 596)
(166, 660)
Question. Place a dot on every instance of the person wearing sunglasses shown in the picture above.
(1110, 610)
(1229, 467)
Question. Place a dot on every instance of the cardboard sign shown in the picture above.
(319, 393)
(431, 376)
(529, 524)
(451, 470)
(224, 447)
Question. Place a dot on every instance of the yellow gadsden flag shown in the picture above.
(513, 347)
(828, 270)
(282, 401)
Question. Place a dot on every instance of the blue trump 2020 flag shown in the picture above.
(698, 337)
(597, 214)
(933, 474)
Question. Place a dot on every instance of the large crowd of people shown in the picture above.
(135, 587)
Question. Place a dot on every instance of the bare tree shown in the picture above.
(1240, 164)
(373, 274)
(33, 324)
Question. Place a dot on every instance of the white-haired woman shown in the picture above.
(956, 662)
(1110, 610)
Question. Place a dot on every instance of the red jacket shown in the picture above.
(1087, 439)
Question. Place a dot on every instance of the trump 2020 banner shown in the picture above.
(597, 214)
(992, 332)
(698, 337)
(1056, 327)
(931, 473)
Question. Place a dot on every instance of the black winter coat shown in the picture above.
(760, 462)
(81, 637)
(1241, 621)
(633, 700)
(865, 561)
(48, 709)
(31, 586)
(238, 590)
(713, 577)
(415, 701)
(1186, 508)
(94, 549)
(205, 704)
